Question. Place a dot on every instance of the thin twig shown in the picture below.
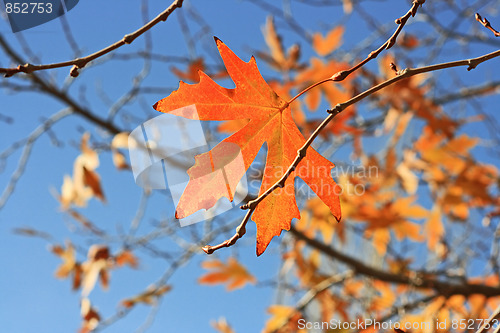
(315, 291)
(79, 63)
(61, 95)
(23, 160)
(339, 76)
(469, 92)
(342, 75)
(240, 232)
(487, 24)
(488, 323)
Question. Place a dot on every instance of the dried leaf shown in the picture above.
(92, 180)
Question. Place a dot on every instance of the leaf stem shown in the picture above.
(309, 88)
(240, 231)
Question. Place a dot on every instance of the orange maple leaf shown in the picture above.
(271, 123)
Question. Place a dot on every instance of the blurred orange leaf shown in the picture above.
(325, 45)
(232, 273)
(277, 58)
(126, 257)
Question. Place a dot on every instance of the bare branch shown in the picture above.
(315, 291)
(79, 63)
(401, 22)
(487, 24)
(30, 141)
(414, 279)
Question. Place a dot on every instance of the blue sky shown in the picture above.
(32, 300)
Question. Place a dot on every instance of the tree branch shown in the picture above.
(415, 279)
(401, 22)
(487, 24)
(314, 291)
(79, 63)
(23, 160)
(61, 95)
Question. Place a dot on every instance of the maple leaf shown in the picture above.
(232, 272)
(324, 46)
(271, 123)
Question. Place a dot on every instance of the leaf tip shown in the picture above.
(217, 40)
